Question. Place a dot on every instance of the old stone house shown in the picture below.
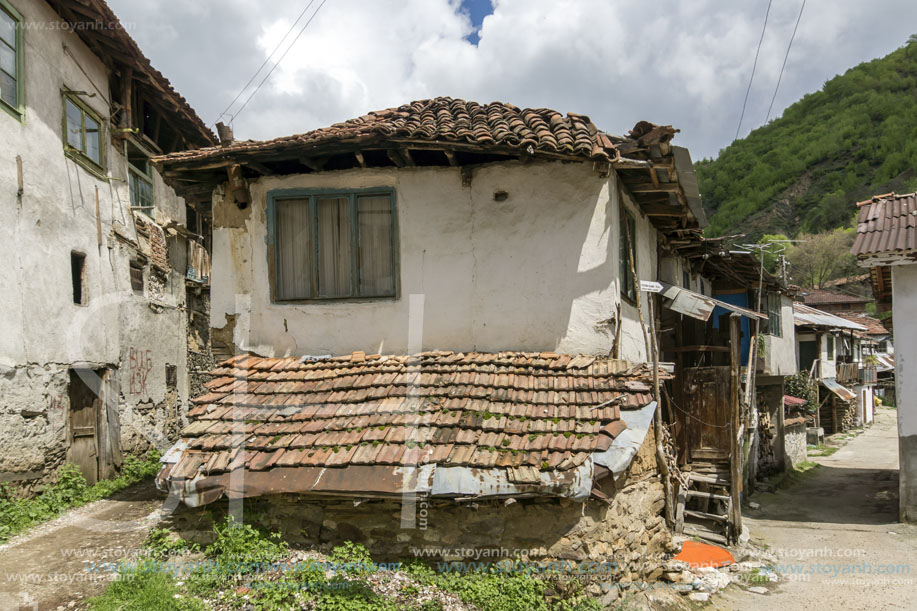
(439, 306)
(93, 352)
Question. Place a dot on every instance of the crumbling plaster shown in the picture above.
(44, 332)
(537, 271)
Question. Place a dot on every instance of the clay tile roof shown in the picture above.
(816, 297)
(113, 44)
(887, 225)
(441, 120)
(873, 326)
(477, 410)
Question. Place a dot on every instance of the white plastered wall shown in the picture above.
(538, 271)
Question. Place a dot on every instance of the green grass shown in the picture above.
(68, 491)
(821, 450)
(144, 590)
(230, 576)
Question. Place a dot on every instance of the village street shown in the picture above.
(75, 556)
(835, 534)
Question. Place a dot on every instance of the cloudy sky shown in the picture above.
(618, 61)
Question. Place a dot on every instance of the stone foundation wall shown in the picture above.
(628, 530)
(795, 442)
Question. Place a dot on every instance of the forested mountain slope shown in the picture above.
(804, 171)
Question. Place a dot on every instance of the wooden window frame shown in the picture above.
(135, 173)
(18, 111)
(627, 279)
(830, 348)
(313, 195)
(79, 155)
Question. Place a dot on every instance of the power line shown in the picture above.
(753, 67)
(266, 60)
(788, 47)
(277, 63)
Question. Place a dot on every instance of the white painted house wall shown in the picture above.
(780, 351)
(538, 271)
(44, 333)
(904, 299)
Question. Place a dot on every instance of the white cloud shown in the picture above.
(684, 63)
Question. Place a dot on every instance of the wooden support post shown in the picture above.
(360, 160)
(735, 454)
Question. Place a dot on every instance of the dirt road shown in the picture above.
(836, 535)
(65, 560)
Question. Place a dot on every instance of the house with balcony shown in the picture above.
(834, 351)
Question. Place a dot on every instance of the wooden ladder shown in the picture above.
(706, 503)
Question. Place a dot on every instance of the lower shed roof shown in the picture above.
(443, 423)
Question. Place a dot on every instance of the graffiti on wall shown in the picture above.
(140, 363)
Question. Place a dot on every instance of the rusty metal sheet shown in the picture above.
(462, 482)
(842, 392)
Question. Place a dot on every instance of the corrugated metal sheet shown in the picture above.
(887, 225)
(618, 457)
(699, 306)
(804, 315)
(842, 392)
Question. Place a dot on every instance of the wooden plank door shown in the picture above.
(85, 401)
(706, 392)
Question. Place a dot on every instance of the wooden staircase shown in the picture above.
(705, 506)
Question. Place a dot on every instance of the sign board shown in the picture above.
(650, 286)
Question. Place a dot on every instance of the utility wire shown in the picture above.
(277, 63)
(753, 67)
(266, 60)
(788, 47)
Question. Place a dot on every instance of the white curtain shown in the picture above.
(376, 260)
(294, 249)
(334, 245)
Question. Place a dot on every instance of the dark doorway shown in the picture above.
(808, 352)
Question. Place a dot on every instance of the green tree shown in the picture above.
(817, 258)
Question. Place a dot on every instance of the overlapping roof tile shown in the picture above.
(443, 120)
(485, 410)
(887, 224)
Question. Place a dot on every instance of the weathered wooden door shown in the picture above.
(85, 401)
(706, 392)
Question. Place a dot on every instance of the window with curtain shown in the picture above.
(334, 246)
(628, 251)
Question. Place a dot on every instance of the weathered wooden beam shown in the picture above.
(127, 84)
(396, 157)
(258, 167)
(360, 161)
(408, 160)
(316, 164)
(671, 187)
(450, 157)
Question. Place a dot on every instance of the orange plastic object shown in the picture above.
(703, 554)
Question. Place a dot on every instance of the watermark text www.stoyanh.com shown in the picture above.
(97, 25)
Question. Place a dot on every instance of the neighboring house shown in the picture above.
(736, 277)
(93, 354)
(448, 286)
(834, 301)
(833, 351)
(886, 243)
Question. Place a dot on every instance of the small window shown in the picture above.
(11, 55)
(686, 280)
(334, 246)
(78, 277)
(628, 251)
(171, 376)
(136, 273)
(774, 325)
(830, 347)
(140, 179)
(83, 133)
